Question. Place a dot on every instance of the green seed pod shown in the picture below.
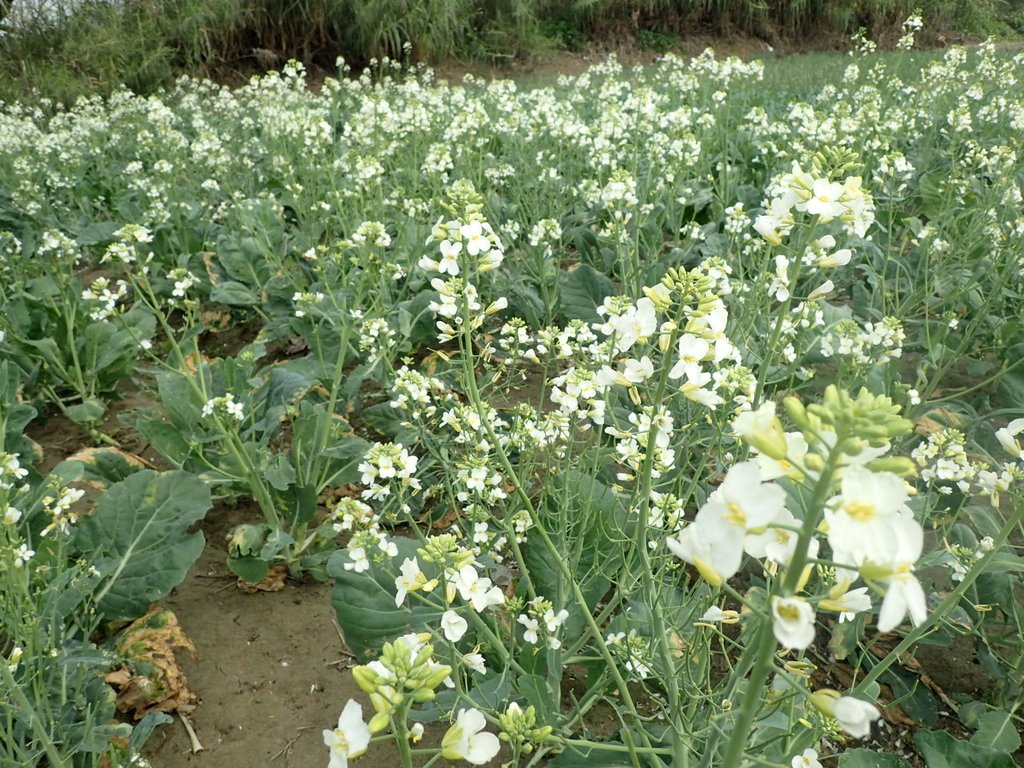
(898, 465)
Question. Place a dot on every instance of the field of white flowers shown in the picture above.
(672, 395)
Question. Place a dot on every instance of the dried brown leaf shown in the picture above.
(153, 679)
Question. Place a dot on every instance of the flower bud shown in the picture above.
(660, 296)
(898, 465)
(379, 722)
(797, 412)
(421, 695)
(366, 679)
(437, 676)
(814, 462)
(824, 699)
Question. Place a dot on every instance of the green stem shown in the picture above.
(402, 738)
(54, 757)
(765, 645)
(661, 634)
(765, 642)
(538, 526)
(604, 746)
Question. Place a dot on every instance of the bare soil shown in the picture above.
(272, 671)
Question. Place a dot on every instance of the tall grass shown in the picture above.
(145, 43)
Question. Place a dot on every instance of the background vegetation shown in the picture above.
(144, 44)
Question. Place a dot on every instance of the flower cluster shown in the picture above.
(469, 247)
(870, 344)
(815, 194)
(100, 291)
(943, 460)
(384, 465)
(224, 405)
(540, 620)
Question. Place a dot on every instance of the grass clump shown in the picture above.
(64, 51)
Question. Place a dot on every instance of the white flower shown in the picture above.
(412, 579)
(467, 740)
(822, 290)
(638, 371)
(12, 515)
(449, 257)
(855, 716)
(22, 555)
(849, 603)
(715, 541)
(762, 430)
(692, 351)
(824, 200)
(777, 543)
(861, 517)
(809, 759)
(838, 259)
(360, 562)
(793, 622)
(532, 627)
(476, 590)
(475, 662)
(454, 626)
(350, 738)
(715, 614)
(634, 324)
(715, 564)
(476, 241)
(1007, 437)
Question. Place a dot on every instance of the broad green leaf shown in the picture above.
(347, 449)
(138, 539)
(99, 467)
(386, 420)
(491, 694)
(581, 291)
(868, 758)
(97, 232)
(365, 603)
(998, 731)
(535, 690)
(166, 439)
(585, 520)
(87, 412)
(1010, 386)
(234, 294)
(251, 569)
(971, 712)
(278, 471)
(912, 697)
(940, 750)
(144, 729)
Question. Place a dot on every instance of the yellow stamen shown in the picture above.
(861, 511)
(735, 515)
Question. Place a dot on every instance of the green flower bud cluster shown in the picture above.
(405, 673)
(466, 202)
(444, 551)
(519, 728)
(867, 420)
(836, 162)
(689, 287)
